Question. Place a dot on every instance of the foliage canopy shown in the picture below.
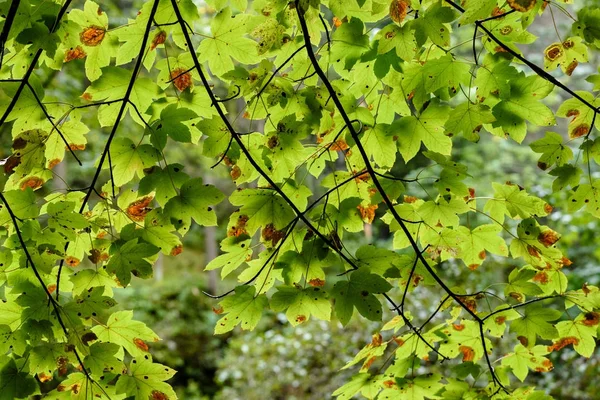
(337, 98)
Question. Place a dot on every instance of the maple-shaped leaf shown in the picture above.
(130, 159)
(146, 380)
(463, 338)
(511, 200)
(103, 358)
(567, 175)
(553, 150)
(476, 10)
(130, 258)
(243, 308)
(96, 40)
(468, 119)
(522, 359)
(419, 388)
(228, 42)
(524, 105)
(300, 304)
(121, 329)
(378, 260)
(519, 284)
(194, 202)
(587, 196)
(493, 77)
(112, 87)
(78, 386)
(237, 251)
(477, 241)
(15, 383)
(580, 114)
(444, 211)
(536, 321)
(349, 43)
(352, 387)
(399, 38)
(445, 72)
(428, 129)
(165, 182)
(359, 292)
(581, 336)
(172, 123)
(369, 353)
(260, 208)
(21, 202)
(65, 220)
(433, 25)
(567, 54)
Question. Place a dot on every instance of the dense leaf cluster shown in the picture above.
(335, 95)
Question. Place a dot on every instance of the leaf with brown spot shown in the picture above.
(76, 53)
(138, 209)
(92, 35)
(32, 182)
(522, 5)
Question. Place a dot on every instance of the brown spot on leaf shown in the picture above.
(218, 310)
(53, 163)
(338, 145)
(473, 267)
(158, 395)
(553, 52)
(467, 352)
(269, 233)
(273, 142)
(591, 319)
(62, 364)
(239, 228)
(523, 340)
(72, 261)
(367, 213)
(482, 255)
(563, 342)
(175, 251)
(389, 383)
(410, 199)
(33, 182)
(86, 96)
(571, 67)
(533, 251)
(75, 146)
(235, 173)
(300, 319)
(522, 5)
(159, 39)
(181, 79)
(140, 344)
(88, 337)
(581, 130)
(500, 320)
(316, 282)
(458, 327)
(376, 340)
(74, 54)
(138, 209)
(51, 288)
(43, 377)
(398, 10)
(92, 35)
(541, 277)
(548, 208)
(337, 22)
(548, 237)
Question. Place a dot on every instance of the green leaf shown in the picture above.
(301, 304)
(129, 159)
(194, 202)
(121, 329)
(130, 258)
(536, 322)
(16, 383)
(243, 308)
(145, 380)
(228, 42)
(468, 119)
(522, 359)
(552, 149)
(359, 293)
(428, 129)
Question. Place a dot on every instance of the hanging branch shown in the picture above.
(387, 201)
(124, 104)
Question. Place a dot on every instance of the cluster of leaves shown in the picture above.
(338, 102)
